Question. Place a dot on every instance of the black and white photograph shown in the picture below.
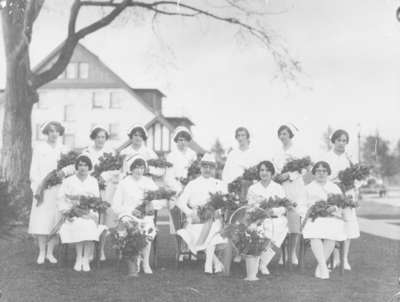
(199, 151)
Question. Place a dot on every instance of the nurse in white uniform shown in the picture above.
(275, 228)
(82, 230)
(240, 158)
(293, 182)
(339, 160)
(323, 231)
(130, 194)
(44, 216)
(196, 194)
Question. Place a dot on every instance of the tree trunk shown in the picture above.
(18, 102)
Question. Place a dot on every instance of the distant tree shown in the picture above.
(376, 152)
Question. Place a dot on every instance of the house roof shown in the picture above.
(42, 64)
(153, 90)
(164, 121)
(177, 121)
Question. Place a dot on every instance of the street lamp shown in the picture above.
(398, 14)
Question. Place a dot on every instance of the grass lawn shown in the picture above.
(374, 278)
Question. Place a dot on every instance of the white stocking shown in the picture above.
(50, 249)
(266, 257)
(209, 259)
(329, 246)
(79, 251)
(42, 248)
(146, 259)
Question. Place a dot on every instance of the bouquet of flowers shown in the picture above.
(277, 202)
(193, 172)
(129, 238)
(82, 207)
(297, 165)
(247, 240)
(248, 177)
(157, 167)
(107, 162)
(320, 209)
(146, 208)
(342, 201)
(227, 203)
(54, 177)
(348, 176)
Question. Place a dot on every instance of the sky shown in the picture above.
(348, 50)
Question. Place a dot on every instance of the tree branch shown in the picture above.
(72, 40)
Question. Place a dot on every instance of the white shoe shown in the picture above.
(208, 267)
(85, 265)
(147, 269)
(264, 270)
(281, 260)
(78, 266)
(321, 273)
(51, 259)
(193, 257)
(347, 266)
(41, 258)
(218, 268)
(295, 261)
(102, 257)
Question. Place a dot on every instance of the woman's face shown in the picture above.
(265, 174)
(340, 143)
(83, 168)
(181, 143)
(284, 136)
(137, 139)
(100, 139)
(321, 174)
(138, 171)
(52, 134)
(207, 170)
(242, 138)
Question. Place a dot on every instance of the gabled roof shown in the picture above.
(153, 90)
(41, 66)
(176, 121)
(164, 121)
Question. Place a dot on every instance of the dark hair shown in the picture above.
(138, 162)
(83, 159)
(59, 128)
(322, 164)
(338, 133)
(242, 129)
(285, 127)
(270, 167)
(96, 131)
(142, 133)
(184, 135)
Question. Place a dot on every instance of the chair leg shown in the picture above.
(302, 252)
(341, 252)
(155, 252)
(289, 251)
(283, 250)
(96, 255)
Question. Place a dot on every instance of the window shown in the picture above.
(114, 131)
(69, 140)
(72, 71)
(115, 101)
(99, 99)
(83, 70)
(69, 113)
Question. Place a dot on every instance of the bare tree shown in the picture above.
(18, 19)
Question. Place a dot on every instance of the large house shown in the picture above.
(89, 93)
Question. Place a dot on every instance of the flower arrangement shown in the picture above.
(348, 176)
(107, 162)
(227, 203)
(146, 208)
(55, 177)
(129, 238)
(277, 202)
(159, 163)
(342, 201)
(247, 240)
(320, 209)
(248, 177)
(297, 165)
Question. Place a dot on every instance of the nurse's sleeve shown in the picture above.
(184, 199)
